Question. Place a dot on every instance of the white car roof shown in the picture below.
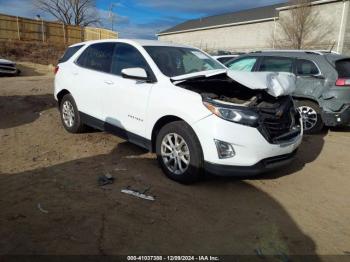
(141, 42)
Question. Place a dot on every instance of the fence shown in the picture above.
(25, 29)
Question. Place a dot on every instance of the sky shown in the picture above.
(145, 18)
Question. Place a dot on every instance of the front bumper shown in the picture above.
(252, 151)
(341, 118)
(265, 165)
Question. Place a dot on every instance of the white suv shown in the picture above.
(179, 102)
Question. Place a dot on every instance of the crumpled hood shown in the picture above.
(276, 84)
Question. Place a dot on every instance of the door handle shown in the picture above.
(108, 82)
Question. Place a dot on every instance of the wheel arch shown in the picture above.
(307, 98)
(61, 94)
(164, 120)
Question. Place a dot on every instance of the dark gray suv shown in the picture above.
(323, 83)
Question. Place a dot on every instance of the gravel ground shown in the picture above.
(51, 203)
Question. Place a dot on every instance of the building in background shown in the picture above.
(258, 29)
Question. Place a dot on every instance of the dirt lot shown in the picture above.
(303, 209)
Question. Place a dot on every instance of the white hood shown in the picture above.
(276, 84)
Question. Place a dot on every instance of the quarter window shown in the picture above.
(97, 57)
(276, 64)
(244, 64)
(127, 56)
(306, 68)
(69, 53)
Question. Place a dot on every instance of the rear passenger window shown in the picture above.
(343, 68)
(127, 56)
(69, 53)
(244, 64)
(97, 57)
(276, 64)
(306, 68)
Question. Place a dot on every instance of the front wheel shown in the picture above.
(179, 152)
(311, 116)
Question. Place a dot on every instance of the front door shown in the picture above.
(126, 100)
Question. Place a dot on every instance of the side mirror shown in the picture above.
(136, 73)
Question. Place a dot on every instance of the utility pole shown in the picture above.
(111, 14)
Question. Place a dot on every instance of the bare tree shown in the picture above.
(71, 12)
(301, 27)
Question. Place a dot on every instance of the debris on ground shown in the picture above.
(41, 209)
(132, 157)
(105, 180)
(258, 252)
(120, 169)
(138, 194)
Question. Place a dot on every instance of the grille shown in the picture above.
(279, 123)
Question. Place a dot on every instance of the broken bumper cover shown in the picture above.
(341, 118)
(265, 165)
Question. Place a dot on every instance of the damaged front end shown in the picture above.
(259, 100)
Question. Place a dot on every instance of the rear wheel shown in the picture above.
(311, 116)
(179, 152)
(70, 115)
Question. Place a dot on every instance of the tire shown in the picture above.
(190, 151)
(311, 115)
(74, 126)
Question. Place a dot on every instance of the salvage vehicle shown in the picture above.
(8, 67)
(322, 91)
(182, 104)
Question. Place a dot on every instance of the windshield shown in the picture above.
(176, 61)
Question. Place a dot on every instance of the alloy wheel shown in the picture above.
(68, 113)
(175, 153)
(309, 117)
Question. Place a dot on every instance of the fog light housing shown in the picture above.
(225, 150)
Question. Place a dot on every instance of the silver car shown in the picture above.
(8, 67)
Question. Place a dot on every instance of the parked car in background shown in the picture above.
(224, 58)
(8, 67)
(182, 104)
(322, 93)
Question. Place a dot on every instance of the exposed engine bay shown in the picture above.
(278, 119)
(222, 89)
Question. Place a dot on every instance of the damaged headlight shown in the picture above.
(237, 115)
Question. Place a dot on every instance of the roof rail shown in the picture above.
(317, 52)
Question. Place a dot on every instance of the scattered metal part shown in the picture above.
(41, 209)
(120, 169)
(105, 179)
(259, 252)
(138, 194)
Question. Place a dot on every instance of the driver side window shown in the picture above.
(127, 56)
